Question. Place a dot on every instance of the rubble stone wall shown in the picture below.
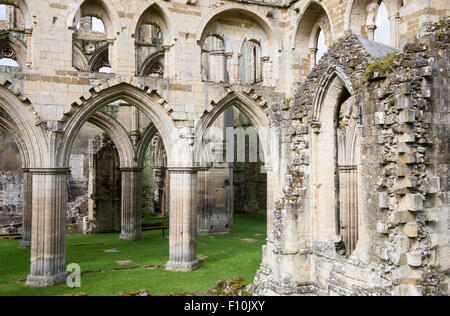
(403, 244)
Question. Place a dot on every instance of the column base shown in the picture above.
(182, 266)
(47, 280)
(131, 237)
(25, 244)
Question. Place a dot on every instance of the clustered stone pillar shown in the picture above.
(266, 69)
(135, 128)
(183, 220)
(131, 204)
(202, 197)
(29, 61)
(313, 57)
(48, 240)
(371, 32)
(27, 209)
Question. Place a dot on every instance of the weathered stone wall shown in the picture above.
(11, 185)
(403, 244)
(104, 186)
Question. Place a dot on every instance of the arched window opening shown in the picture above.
(105, 70)
(150, 34)
(383, 26)
(150, 51)
(13, 39)
(214, 64)
(347, 144)
(336, 159)
(321, 46)
(98, 26)
(152, 43)
(233, 186)
(11, 18)
(90, 46)
(250, 63)
(2, 12)
(313, 35)
(8, 62)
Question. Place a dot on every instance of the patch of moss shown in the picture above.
(287, 100)
(134, 293)
(382, 65)
(236, 286)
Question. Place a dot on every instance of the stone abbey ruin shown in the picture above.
(197, 110)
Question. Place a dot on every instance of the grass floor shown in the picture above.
(227, 256)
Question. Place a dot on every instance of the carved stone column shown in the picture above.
(135, 128)
(265, 70)
(183, 219)
(371, 32)
(396, 32)
(29, 62)
(48, 240)
(230, 77)
(131, 204)
(202, 201)
(313, 57)
(27, 208)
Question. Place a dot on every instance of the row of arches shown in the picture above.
(254, 63)
(45, 157)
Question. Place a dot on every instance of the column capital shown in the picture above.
(49, 171)
(371, 27)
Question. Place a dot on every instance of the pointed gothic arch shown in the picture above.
(336, 163)
(145, 102)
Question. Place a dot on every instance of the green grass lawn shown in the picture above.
(227, 256)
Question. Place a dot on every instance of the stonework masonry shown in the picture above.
(355, 144)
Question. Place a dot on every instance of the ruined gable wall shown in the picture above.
(403, 250)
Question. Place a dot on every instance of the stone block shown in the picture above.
(411, 229)
(414, 258)
(407, 137)
(402, 102)
(403, 148)
(407, 116)
(379, 118)
(383, 200)
(382, 227)
(434, 185)
(432, 216)
(401, 217)
(407, 158)
(425, 88)
(412, 202)
(404, 88)
(403, 170)
(407, 182)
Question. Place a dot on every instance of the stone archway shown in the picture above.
(253, 107)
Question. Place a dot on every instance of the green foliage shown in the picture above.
(227, 256)
(384, 65)
(287, 100)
